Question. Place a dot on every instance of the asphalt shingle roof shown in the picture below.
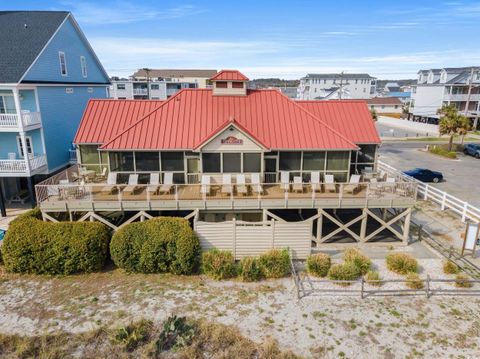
(23, 35)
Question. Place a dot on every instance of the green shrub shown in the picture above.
(372, 277)
(318, 264)
(442, 152)
(250, 269)
(450, 268)
(413, 281)
(162, 244)
(219, 264)
(34, 246)
(401, 263)
(360, 260)
(344, 271)
(177, 333)
(460, 281)
(275, 263)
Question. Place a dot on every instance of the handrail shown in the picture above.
(428, 192)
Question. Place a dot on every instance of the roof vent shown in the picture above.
(25, 26)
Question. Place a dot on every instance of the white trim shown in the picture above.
(41, 51)
(19, 146)
(60, 53)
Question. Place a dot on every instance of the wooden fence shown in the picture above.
(254, 238)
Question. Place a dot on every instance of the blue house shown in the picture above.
(48, 72)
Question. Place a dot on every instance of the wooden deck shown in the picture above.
(102, 197)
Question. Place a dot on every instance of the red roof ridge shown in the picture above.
(318, 120)
(143, 118)
(226, 75)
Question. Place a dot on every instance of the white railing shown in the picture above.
(31, 118)
(462, 97)
(20, 165)
(9, 120)
(140, 91)
(429, 193)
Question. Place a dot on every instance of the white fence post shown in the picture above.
(234, 237)
(425, 194)
(464, 212)
(444, 198)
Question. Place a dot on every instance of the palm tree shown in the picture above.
(452, 123)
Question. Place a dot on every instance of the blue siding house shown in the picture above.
(48, 73)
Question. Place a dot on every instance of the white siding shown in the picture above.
(216, 145)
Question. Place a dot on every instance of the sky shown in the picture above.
(285, 39)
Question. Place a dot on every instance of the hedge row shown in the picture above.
(219, 265)
(34, 246)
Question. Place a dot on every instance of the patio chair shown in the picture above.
(241, 185)
(390, 184)
(205, 188)
(101, 176)
(285, 180)
(167, 185)
(132, 184)
(315, 181)
(353, 186)
(330, 185)
(256, 186)
(227, 183)
(297, 184)
(154, 183)
(111, 183)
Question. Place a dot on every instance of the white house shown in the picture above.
(437, 87)
(385, 105)
(320, 86)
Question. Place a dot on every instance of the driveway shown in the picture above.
(461, 176)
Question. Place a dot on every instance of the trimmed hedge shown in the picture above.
(159, 245)
(275, 263)
(318, 264)
(219, 264)
(250, 269)
(34, 246)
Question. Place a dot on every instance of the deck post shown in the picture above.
(406, 226)
(234, 237)
(3, 210)
(319, 227)
(363, 226)
(264, 215)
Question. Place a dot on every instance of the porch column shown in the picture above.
(406, 226)
(3, 211)
(23, 140)
(31, 191)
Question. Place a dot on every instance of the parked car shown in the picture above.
(424, 175)
(472, 150)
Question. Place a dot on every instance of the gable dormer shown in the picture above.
(229, 83)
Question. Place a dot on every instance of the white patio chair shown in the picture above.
(227, 183)
(154, 182)
(205, 188)
(297, 184)
(315, 181)
(12, 155)
(256, 186)
(354, 184)
(111, 183)
(167, 185)
(241, 185)
(330, 185)
(132, 184)
(285, 180)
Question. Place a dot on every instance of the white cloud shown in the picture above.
(125, 12)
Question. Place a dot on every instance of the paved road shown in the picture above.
(462, 176)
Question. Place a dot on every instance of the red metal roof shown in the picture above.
(105, 118)
(191, 115)
(351, 118)
(229, 75)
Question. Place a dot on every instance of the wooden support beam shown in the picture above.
(274, 216)
(46, 217)
(385, 225)
(406, 226)
(363, 228)
(318, 238)
(341, 226)
(103, 220)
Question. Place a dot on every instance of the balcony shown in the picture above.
(462, 97)
(11, 121)
(140, 91)
(18, 167)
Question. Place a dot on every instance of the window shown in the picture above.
(313, 161)
(172, 161)
(63, 63)
(232, 163)
(120, 86)
(69, 90)
(89, 154)
(221, 84)
(211, 162)
(252, 162)
(83, 65)
(28, 141)
(337, 161)
(90, 89)
(147, 161)
(121, 161)
(366, 154)
(154, 86)
(237, 85)
(290, 161)
(7, 104)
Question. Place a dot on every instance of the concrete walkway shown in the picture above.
(12, 213)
